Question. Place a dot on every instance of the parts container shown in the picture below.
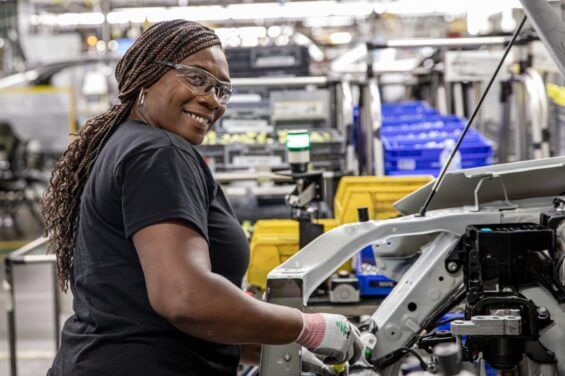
(407, 109)
(273, 242)
(376, 193)
(414, 138)
(371, 285)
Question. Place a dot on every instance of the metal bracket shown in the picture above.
(283, 360)
(300, 199)
(477, 205)
(489, 325)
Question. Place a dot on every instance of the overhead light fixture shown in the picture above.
(248, 36)
(454, 7)
(316, 53)
(349, 58)
(237, 12)
(314, 11)
(274, 31)
(340, 37)
(157, 14)
(113, 45)
(91, 40)
(508, 23)
(333, 21)
(282, 40)
(18, 79)
(101, 46)
(85, 19)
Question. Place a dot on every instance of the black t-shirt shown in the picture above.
(143, 176)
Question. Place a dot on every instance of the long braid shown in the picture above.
(136, 70)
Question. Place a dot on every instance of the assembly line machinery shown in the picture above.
(423, 254)
(491, 241)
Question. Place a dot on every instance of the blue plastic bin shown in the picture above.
(414, 133)
(417, 151)
(433, 123)
(412, 164)
(371, 285)
(407, 108)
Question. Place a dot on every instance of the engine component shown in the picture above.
(447, 356)
(501, 323)
(489, 326)
(554, 219)
(344, 289)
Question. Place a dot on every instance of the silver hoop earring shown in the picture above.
(141, 98)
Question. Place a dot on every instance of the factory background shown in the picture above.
(380, 89)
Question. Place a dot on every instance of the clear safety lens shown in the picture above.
(202, 82)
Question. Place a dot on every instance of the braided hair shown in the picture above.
(136, 70)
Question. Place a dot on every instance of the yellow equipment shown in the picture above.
(275, 240)
(377, 193)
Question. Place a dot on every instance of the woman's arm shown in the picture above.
(250, 354)
(182, 289)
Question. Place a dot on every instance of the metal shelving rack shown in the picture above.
(8, 17)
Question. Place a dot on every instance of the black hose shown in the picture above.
(417, 355)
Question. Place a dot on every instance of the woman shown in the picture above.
(156, 257)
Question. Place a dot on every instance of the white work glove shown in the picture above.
(311, 363)
(331, 337)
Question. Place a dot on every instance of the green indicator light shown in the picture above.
(298, 141)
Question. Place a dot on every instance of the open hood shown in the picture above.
(526, 179)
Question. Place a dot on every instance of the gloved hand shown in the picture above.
(332, 337)
(311, 363)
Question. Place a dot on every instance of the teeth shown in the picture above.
(200, 119)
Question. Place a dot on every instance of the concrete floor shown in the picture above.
(34, 320)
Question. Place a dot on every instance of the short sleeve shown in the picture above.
(162, 184)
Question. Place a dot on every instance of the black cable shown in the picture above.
(439, 180)
(436, 315)
(417, 355)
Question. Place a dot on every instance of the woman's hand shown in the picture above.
(332, 337)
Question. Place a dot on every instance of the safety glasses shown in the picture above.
(201, 82)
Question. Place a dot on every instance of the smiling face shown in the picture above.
(172, 106)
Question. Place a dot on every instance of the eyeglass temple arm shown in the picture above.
(172, 65)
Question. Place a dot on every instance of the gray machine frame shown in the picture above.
(416, 249)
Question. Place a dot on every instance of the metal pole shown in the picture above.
(10, 313)
(474, 98)
(106, 32)
(458, 99)
(56, 308)
(521, 130)
(344, 103)
(370, 124)
(440, 42)
(504, 130)
(365, 130)
(375, 127)
(442, 95)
